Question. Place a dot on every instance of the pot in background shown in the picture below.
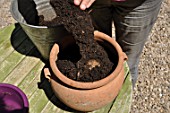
(27, 13)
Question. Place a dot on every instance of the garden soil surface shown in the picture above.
(152, 91)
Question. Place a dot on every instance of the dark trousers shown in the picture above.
(133, 21)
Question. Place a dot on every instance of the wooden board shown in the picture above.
(21, 65)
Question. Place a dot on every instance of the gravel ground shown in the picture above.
(152, 91)
(5, 15)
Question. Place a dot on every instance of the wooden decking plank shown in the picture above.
(12, 37)
(34, 93)
(50, 108)
(126, 68)
(9, 64)
(12, 33)
(37, 101)
(31, 76)
(40, 103)
(5, 33)
(59, 106)
(14, 59)
(32, 87)
(47, 108)
(36, 83)
(7, 48)
(5, 42)
(123, 100)
(104, 109)
(21, 70)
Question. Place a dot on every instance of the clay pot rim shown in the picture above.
(89, 85)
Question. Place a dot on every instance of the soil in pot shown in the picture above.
(85, 60)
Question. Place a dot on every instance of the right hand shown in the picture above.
(83, 3)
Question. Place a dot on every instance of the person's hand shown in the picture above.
(83, 3)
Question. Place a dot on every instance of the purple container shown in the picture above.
(12, 99)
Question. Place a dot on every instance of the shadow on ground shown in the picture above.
(46, 86)
(22, 43)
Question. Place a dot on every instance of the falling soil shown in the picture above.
(85, 60)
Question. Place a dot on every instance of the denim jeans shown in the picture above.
(133, 21)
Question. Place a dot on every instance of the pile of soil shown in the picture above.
(86, 60)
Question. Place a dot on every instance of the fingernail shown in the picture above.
(83, 7)
(76, 2)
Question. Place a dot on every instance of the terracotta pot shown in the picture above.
(87, 96)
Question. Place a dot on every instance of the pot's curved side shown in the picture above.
(88, 85)
(87, 100)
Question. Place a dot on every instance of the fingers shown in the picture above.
(90, 3)
(83, 3)
(77, 2)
